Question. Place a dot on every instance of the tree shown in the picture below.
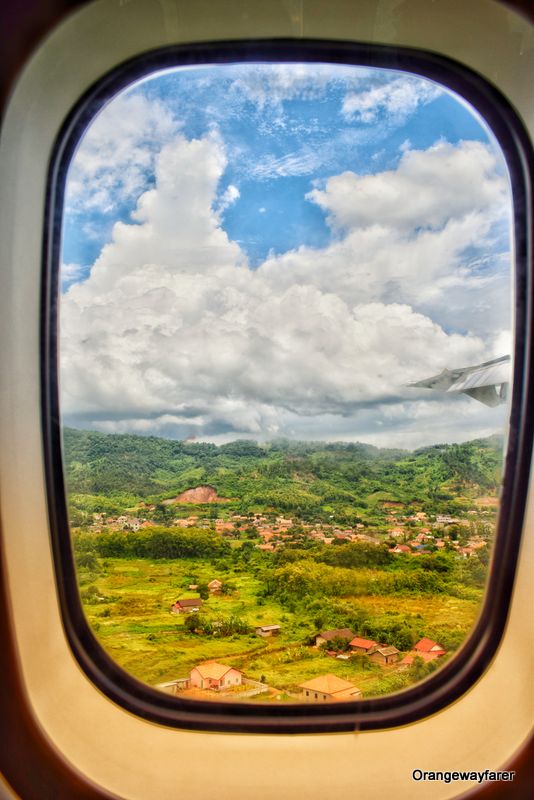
(418, 669)
(86, 560)
(197, 624)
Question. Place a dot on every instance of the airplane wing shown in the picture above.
(486, 382)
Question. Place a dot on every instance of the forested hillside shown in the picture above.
(111, 473)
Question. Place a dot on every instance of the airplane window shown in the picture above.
(284, 361)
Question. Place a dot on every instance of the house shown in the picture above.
(215, 586)
(466, 552)
(366, 646)
(284, 524)
(222, 526)
(427, 649)
(268, 630)
(400, 548)
(429, 646)
(181, 523)
(187, 605)
(211, 675)
(424, 536)
(329, 687)
(408, 659)
(363, 537)
(476, 544)
(385, 655)
(328, 636)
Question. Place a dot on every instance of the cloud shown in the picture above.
(173, 332)
(115, 158)
(428, 189)
(396, 99)
(270, 86)
(228, 198)
(71, 273)
(299, 163)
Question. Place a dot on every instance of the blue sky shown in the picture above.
(307, 139)
(229, 192)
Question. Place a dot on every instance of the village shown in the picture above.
(218, 616)
(216, 681)
(213, 680)
(405, 532)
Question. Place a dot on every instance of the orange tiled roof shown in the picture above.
(348, 694)
(425, 645)
(408, 659)
(327, 684)
(359, 642)
(213, 670)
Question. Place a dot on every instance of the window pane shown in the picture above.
(285, 355)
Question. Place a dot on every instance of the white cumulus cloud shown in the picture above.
(428, 189)
(116, 155)
(228, 198)
(173, 332)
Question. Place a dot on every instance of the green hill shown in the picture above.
(348, 482)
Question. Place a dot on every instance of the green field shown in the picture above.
(302, 534)
(127, 602)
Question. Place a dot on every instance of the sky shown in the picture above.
(277, 250)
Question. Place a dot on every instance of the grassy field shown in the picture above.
(127, 603)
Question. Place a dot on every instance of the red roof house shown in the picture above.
(401, 548)
(425, 645)
(408, 659)
(359, 645)
(427, 649)
(186, 605)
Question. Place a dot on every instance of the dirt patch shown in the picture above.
(199, 495)
(491, 502)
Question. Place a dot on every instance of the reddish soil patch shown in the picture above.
(201, 494)
(487, 501)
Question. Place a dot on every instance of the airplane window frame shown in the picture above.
(468, 664)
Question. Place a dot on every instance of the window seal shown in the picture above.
(453, 679)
